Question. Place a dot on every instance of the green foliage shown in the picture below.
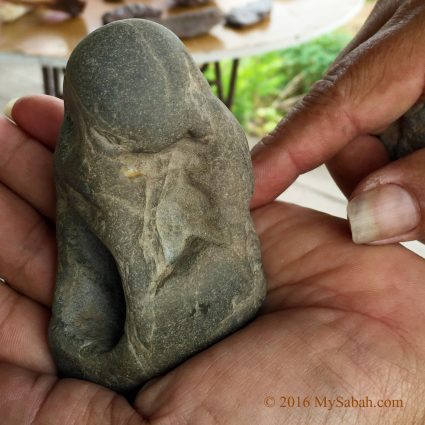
(268, 85)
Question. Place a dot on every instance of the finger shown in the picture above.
(389, 205)
(357, 160)
(369, 89)
(26, 167)
(27, 249)
(381, 13)
(40, 116)
(30, 398)
(23, 332)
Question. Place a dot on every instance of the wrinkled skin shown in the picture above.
(339, 319)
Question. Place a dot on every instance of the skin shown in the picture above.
(373, 82)
(352, 326)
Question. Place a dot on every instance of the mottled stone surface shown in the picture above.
(184, 23)
(158, 257)
(407, 134)
(250, 14)
(192, 22)
(191, 2)
(136, 10)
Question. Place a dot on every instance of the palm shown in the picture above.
(339, 319)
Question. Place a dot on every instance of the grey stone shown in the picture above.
(136, 10)
(192, 22)
(191, 2)
(158, 257)
(407, 134)
(184, 23)
(250, 14)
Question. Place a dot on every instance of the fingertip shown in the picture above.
(40, 116)
(272, 171)
(383, 214)
(7, 110)
(388, 205)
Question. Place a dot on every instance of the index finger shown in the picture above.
(371, 87)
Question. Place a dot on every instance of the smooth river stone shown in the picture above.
(158, 257)
(407, 134)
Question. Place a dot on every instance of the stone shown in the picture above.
(157, 254)
(184, 23)
(136, 10)
(407, 134)
(249, 14)
(192, 22)
(191, 3)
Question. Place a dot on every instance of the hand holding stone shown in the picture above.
(158, 257)
(339, 319)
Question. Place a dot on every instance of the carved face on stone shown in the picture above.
(157, 254)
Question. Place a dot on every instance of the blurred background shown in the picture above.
(267, 85)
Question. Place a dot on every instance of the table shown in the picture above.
(292, 22)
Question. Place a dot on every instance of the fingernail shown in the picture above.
(7, 110)
(382, 213)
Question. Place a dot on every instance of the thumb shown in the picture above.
(389, 205)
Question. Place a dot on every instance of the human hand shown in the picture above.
(30, 390)
(375, 80)
(338, 320)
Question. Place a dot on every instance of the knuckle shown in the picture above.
(326, 98)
